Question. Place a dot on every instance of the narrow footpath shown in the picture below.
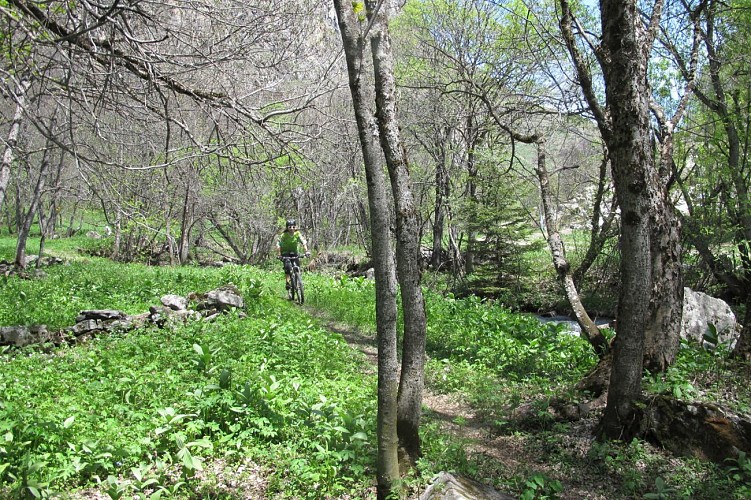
(482, 440)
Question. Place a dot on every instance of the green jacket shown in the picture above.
(291, 243)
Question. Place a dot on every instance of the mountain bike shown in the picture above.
(296, 290)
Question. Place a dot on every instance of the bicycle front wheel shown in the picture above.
(291, 289)
(298, 286)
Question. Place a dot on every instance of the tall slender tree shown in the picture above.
(408, 256)
(354, 39)
(22, 87)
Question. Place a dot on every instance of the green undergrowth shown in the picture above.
(157, 413)
(499, 362)
(145, 413)
(468, 332)
(69, 288)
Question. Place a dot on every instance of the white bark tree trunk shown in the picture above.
(15, 128)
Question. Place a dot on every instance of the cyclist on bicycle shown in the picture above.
(288, 245)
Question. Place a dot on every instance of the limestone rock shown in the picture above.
(20, 336)
(700, 309)
(223, 298)
(449, 487)
(175, 302)
(161, 315)
(100, 314)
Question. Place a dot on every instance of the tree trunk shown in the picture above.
(469, 257)
(457, 266)
(25, 228)
(55, 209)
(743, 346)
(186, 225)
(15, 128)
(388, 478)
(116, 244)
(600, 226)
(441, 197)
(243, 254)
(628, 141)
(650, 251)
(407, 236)
(662, 336)
(589, 330)
(169, 241)
(43, 223)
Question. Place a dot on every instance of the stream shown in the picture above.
(570, 323)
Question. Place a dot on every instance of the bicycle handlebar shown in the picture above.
(297, 256)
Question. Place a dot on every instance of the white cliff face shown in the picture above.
(699, 310)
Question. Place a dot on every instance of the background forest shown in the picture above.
(184, 134)
(194, 129)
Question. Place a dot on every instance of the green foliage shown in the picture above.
(359, 8)
(540, 486)
(662, 491)
(703, 373)
(618, 460)
(509, 344)
(95, 283)
(204, 358)
(348, 299)
(672, 382)
(640, 472)
(739, 473)
(144, 412)
(711, 336)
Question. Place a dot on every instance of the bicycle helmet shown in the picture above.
(291, 222)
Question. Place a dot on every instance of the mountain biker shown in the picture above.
(288, 245)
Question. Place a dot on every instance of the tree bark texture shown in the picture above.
(442, 193)
(662, 338)
(628, 141)
(473, 140)
(186, 224)
(408, 256)
(383, 263)
(650, 252)
(743, 346)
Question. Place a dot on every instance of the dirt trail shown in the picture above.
(513, 453)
